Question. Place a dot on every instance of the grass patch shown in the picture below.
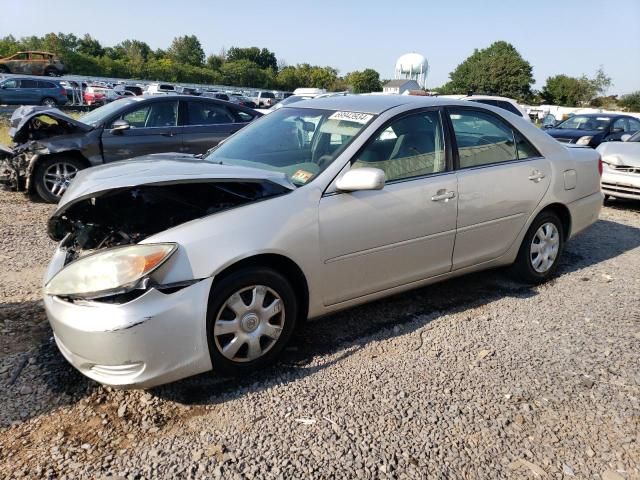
(4, 132)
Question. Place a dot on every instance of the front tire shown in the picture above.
(539, 254)
(52, 177)
(251, 317)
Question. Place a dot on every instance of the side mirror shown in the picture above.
(361, 179)
(120, 126)
(625, 137)
(308, 126)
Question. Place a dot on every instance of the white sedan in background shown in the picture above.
(621, 172)
(172, 265)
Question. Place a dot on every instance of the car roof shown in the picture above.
(374, 104)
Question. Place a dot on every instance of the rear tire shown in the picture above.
(52, 72)
(252, 334)
(52, 176)
(541, 248)
(4, 69)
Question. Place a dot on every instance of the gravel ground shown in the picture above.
(478, 377)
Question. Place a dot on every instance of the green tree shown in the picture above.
(88, 45)
(630, 102)
(263, 58)
(214, 62)
(573, 91)
(8, 46)
(365, 81)
(246, 73)
(323, 77)
(188, 50)
(497, 70)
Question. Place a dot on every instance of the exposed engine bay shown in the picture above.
(128, 215)
(41, 127)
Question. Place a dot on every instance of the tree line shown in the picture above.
(496, 70)
(184, 61)
(501, 70)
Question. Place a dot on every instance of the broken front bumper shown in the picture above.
(621, 184)
(154, 339)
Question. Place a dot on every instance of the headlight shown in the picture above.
(584, 140)
(110, 272)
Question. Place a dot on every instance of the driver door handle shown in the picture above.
(168, 134)
(443, 195)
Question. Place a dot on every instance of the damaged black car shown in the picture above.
(51, 147)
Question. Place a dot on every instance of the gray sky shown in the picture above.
(555, 36)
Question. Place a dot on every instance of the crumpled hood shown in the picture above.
(620, 153)
(22, 115)
(162, 168)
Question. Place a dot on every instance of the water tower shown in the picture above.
(412, 66)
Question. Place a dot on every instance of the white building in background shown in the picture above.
(400, 87)
(412, 66)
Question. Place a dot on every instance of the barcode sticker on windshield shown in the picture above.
(352, 117)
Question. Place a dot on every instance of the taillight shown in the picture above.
(63, 92)
(600, 166)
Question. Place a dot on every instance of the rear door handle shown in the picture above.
(443, 195)
(536, 176)
(168, 134)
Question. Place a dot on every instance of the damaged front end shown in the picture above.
(38, 131)
(128, 215)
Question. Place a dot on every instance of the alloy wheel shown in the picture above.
(58, 176)
(544, 247)
(249, 323)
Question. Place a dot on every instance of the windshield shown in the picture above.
(298, 142)
(98, 115)
(584, 122)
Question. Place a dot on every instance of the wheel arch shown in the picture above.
(282, 264)
(564, 214)
(38, 159)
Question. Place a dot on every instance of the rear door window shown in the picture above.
(43, 84)
(482, 138)
(27, 83)
(203, 113)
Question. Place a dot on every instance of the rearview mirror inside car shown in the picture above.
(361, 179)
(120, 126)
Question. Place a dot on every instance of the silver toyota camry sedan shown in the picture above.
(171, 265)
